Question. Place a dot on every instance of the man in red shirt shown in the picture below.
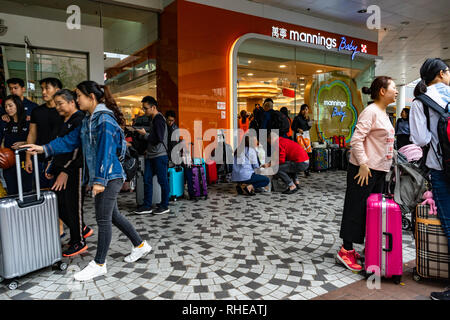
(292, 160)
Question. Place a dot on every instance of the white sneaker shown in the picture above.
(137, 253)
(91, 271)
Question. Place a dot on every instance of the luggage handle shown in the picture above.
(19, 174)
(389, 235)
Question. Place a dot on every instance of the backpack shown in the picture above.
(279, 121)
(410, 182)
(443, 130)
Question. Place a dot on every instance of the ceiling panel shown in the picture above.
(427, 29)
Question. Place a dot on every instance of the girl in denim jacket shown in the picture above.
(102, 141)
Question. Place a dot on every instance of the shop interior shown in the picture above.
(327, 81)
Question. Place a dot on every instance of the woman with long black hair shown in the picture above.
(434, 83)
(13, 135)
(402, 131)
(103, 143)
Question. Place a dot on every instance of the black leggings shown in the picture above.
(70, 205)
(353, 226)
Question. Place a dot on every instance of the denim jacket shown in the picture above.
(100, 137)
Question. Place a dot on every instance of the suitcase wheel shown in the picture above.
(406, 223)
(13, 285)
(416, 276)
(62, 266)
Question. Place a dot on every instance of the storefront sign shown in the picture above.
(337, 115)
(327, 42)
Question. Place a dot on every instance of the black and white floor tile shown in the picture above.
(270, 246)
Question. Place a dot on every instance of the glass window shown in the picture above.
(327, 81)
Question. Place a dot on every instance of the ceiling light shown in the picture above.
(404, 23)
(319, 71)
(362, 11)
(302, 84)
(250, 74)
(403, 38)
(283, 66)
(249, 61)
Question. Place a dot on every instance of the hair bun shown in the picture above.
(366, 90)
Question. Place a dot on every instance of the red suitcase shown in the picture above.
(211, 172)
(383, 252)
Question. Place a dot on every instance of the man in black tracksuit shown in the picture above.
(67, 168)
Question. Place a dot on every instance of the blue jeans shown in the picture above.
(258, 181)
(441, 195)
(158, 166)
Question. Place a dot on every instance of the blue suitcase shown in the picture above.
(176, 182)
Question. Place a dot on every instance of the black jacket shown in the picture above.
(72, 161)
(300, 123)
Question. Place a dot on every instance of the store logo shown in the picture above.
(74, 21)
(335, 99)
(348, 46)
(339, 113)
(327, 42)
(3, 28)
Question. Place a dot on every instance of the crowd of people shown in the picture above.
(79, 136)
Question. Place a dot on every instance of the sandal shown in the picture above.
(248, 192)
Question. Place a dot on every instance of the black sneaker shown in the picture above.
(143, 210)
(75, 249)
(289, 191)
(87, 232)
(161, 210)
(445, 296)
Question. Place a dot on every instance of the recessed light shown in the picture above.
(302, 84)
(403, 38)
(362, 11)
(250, 74)
(283, 66)
(249, 61)
(404, 23)
(319, 71)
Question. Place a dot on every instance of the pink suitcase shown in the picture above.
(383, 252)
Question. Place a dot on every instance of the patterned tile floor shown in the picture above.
(271, 246)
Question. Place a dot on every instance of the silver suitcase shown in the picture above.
(29, 231)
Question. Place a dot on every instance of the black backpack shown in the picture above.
(279, 121)
(443, 130)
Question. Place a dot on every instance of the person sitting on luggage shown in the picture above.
(370, 159)
(100, 133)
(245, 163)
(67, 168)
(13, 134)
(292, 159)
(157, 160)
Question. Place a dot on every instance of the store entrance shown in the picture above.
(328, 82)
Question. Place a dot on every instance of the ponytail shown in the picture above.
(103, 95)
(420, 88)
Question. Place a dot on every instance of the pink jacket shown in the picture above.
(373, 140)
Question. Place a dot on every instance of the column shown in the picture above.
(401, 101)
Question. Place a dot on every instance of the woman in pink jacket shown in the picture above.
(370, 159)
